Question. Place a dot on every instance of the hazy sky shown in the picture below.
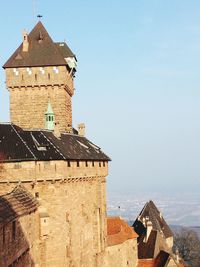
(137, 84)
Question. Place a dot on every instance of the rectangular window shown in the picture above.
(104, 163)
(78, 164)
(99, 163)
(68, 163)
(86, 163)
(92, 163)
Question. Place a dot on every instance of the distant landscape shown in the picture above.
(178, 210)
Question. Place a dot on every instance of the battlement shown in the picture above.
(39, 77)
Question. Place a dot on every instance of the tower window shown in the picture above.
(49, 76)
(99, 163)
(86, 163)
(68, 163)
(104, 163)
(36, 77)
(77, 163)
(93, 163)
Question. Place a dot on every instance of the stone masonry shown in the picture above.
(30, 92)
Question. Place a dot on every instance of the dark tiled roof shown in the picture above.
(151, 213)
(21, 145)
(160, 261)
(146, 249)
(16, 204)
(65, 50)
(40, 53)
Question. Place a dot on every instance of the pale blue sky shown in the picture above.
(137, 84)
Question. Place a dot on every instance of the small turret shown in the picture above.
(49, 118)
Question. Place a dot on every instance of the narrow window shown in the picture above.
(104, 163)
(86, 163)
(99, 163)
(36, 77)
(49, 76)
(78, 164)
(67, 217)
(92, 163)
(4, 235)
(22, 77)
(68, 163)
(14, 230)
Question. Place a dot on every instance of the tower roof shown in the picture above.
(151, 213)
(42, 51)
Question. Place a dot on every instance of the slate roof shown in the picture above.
(146, 249)
(17, 144)
(64, 49)
(151, 213)
(42, 51)
(15, 204)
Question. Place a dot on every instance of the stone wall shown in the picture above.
(39, 171)
(30, 91)
(72, 212)
(121, 255)
(19, 241)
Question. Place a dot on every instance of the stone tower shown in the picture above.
(41, 71)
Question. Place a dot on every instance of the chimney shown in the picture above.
(57, 130)
(149, 228)
(25, 41)
(81, 129)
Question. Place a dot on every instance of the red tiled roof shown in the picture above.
(118, 231)
(146, 263)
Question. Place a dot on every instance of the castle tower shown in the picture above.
(40, 71)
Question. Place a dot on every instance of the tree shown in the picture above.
(186, 241)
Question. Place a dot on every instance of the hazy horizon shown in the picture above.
(137, 84)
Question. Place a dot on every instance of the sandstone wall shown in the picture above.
(121, 255)
(72, 212)
(31, 89)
